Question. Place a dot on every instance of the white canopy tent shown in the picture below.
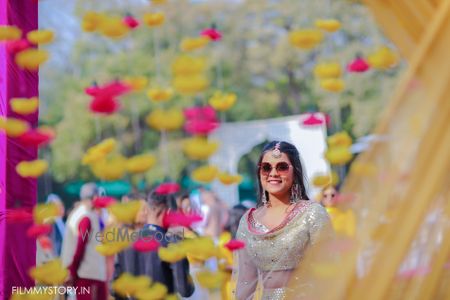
(237, 139)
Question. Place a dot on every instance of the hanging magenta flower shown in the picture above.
(39, 229)
(14, 47)
(234, 245)
(103, 201)
(312, 120)
(212, 33)
(37, 137)
(358, 65)
(146, 244)
(130, 21)
(180, 219)
(19, 215)
(104, 97)
(167, 188)
(200, 120)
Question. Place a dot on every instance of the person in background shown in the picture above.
(328, 195)
(235, 215)
(57, 234)
(175, 276)
(87, 267)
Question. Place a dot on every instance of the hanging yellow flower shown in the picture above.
(222, 101)
(45, 213)
(113, 27)
(191, 85)
(190, 44)
(330, 25)
(187, 65)
(210, 280)
(99, 151)
(305, 38)
(338, 155)
(199, 148)
(200, 249)
(14, 127)
(39, 37)
(322, 180)
(383, 58)
(24, 106)
(172, 253)
(328, 70)
(10, 33)
(171, 119)
(128, 285)
(31, 59)
(125, 212)
(205, 174)
(50, 273)
(156, 291)
(112, 168)
(159, 2)
(112, 242)
(340, 139)
(154, 19)
(160, 94)
(137, 83)
(334, 85)
(91, 21)
(227, 178)
(32, 169)
(140, 163)
(344, 222)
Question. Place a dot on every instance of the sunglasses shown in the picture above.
(282, 168)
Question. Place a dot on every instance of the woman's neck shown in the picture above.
(282, 201)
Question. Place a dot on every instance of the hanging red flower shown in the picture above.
(131, 22)
(212, 33)
(312, 120)
(104, 97)
(16, 46)
(45, 242)
(19, 215)
(104, 105)
(180, 219)
(146, 244)
(39, 229)
(200, 120)
(103, 201)
(358, 65)
(37, 137)
(234, 245)
(167, 188)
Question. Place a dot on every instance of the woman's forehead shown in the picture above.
(268, 157)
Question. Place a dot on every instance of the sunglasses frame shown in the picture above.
(281, 172)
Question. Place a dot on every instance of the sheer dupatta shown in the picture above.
(266, 264)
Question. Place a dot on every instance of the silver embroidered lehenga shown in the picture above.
(271, 255)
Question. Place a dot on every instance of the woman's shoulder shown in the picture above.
(316, 210)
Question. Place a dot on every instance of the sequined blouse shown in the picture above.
(282, 247)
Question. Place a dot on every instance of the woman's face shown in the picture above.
(276, 174)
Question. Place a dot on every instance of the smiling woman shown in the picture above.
(280, 229)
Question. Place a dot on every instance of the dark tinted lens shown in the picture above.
(282, 167)
(266, 168)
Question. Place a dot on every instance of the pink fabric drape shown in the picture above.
(17, 251)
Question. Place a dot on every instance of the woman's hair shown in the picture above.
(160, 202)
(294, 157)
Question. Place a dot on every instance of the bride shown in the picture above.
(280, 229)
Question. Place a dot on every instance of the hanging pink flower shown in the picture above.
(234, 245)
(103, 201)
(167, 188)
(200, 120)
(19, 215)
(146, 244)
(312, 120)
(39, 229)
(180, 219)
(37, 137)
(358, 65)
(16, 46)
(131, 22)
(104, 97)
(212, 33)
